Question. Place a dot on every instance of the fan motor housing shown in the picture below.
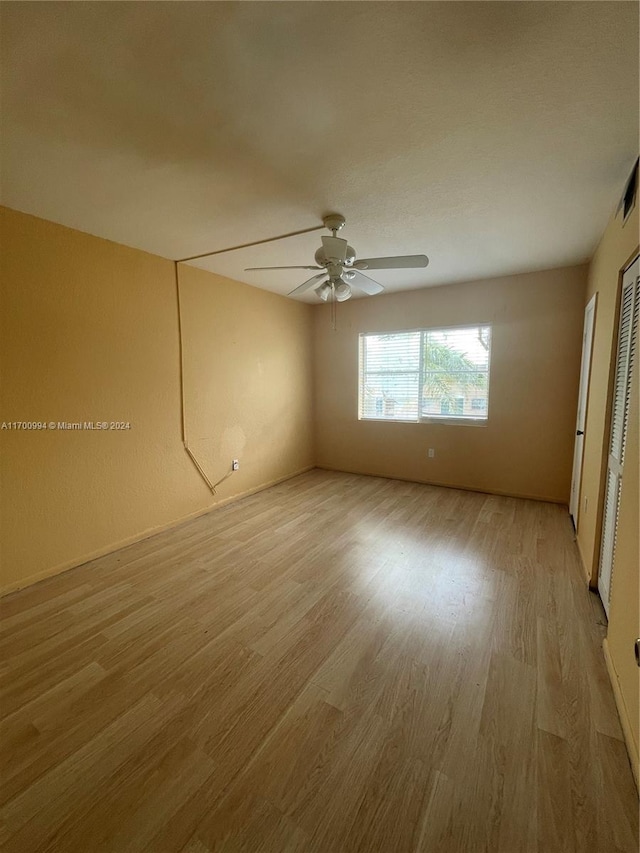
(322, 260)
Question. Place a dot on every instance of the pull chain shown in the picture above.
(333, 307)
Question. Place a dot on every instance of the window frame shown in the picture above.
(461, 420)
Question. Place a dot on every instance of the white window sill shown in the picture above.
(466, 421)
(476, 422)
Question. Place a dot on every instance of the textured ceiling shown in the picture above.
(494, 137)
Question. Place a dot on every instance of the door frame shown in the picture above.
(588, 331)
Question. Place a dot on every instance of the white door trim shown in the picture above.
(581, 416)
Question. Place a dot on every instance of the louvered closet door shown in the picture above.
(625, 358)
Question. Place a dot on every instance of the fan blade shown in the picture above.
(335, 248)
(364, 283)
(307, 284)
(401, 262)
(249, 269)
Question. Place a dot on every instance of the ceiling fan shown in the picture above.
(341, 271)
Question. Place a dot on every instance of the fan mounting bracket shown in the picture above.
(334, 222)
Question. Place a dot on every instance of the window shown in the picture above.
(427, 374)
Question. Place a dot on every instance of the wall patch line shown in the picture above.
(183, 419)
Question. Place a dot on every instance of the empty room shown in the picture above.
(319, 427)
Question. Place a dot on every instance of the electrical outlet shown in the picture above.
(235, 465)
(432, 452)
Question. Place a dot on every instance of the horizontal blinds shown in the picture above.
(390, 376)
(429, 373)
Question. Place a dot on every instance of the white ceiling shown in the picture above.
(494, 137)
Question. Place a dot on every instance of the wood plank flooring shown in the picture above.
(339, 663)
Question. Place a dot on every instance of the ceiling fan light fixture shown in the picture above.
(339, 268)
(342, 291)
(323, 292)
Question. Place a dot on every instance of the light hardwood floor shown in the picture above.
(339, 663)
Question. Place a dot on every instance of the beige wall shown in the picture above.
(248, 379)
(618, 246)
(526, 447)
(89, 332)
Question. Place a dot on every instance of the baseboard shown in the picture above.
(591, 581)
(632, 747)
(501, 494)
(139, 537)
